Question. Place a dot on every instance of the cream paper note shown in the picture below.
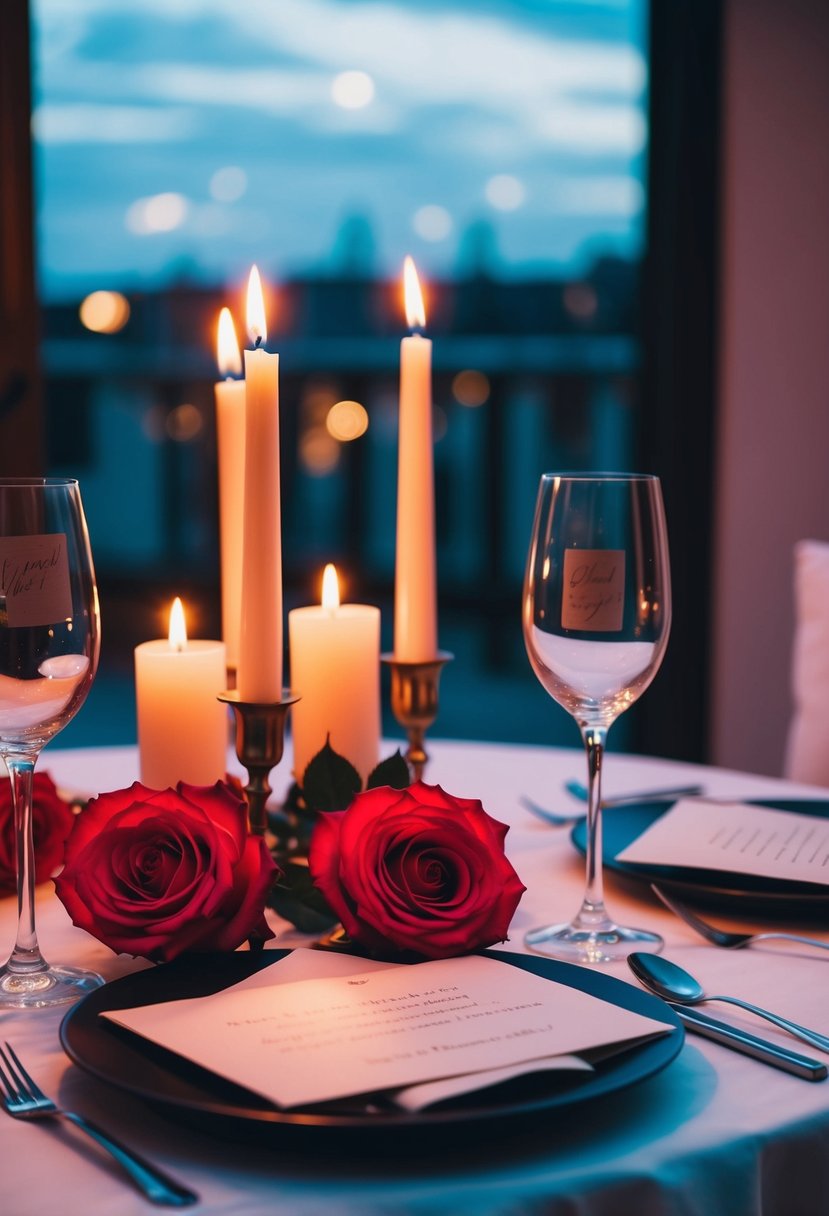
(738, 838)
(305, 964)
(319, 1039)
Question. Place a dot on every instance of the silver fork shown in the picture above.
(654, 795)
(722, 937)
(25, 1100)
(559, 820)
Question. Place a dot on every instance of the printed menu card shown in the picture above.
(382, 1028)
(737, 838)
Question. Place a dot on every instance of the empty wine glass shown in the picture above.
(596, 614)
(49, 643)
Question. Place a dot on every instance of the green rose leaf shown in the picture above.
(330, 783)
(296, 899)
(293, 799)
(393, 771)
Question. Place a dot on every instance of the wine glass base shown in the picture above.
(576, 944)
(43, 989)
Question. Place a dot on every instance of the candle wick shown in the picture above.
(258, 342)
(417, 331)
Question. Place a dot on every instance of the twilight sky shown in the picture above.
(194, 136)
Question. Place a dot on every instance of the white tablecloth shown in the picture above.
(714, 1134)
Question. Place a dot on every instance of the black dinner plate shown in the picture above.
(714, 888)
(130, 1063)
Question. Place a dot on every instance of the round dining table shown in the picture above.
(712, 1134)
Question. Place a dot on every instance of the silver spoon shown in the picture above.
(673, 984)
(723, 937)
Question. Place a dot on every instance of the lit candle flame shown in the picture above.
(330, 588)
(178, 626)
(227, 347)
(415, 312)
(257, 329)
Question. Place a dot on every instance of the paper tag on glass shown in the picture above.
(34, 580)
(593, 597)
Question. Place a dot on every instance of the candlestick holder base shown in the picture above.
(260, 739)
(414, 702)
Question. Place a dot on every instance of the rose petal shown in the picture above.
(226, 811)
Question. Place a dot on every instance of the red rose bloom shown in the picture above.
(416, 869)
(52, 821)
(154, 873)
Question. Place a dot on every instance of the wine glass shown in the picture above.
(596, 614)
(49, 643)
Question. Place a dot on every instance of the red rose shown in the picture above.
(154, 873)
(52, 821)
(416, 869)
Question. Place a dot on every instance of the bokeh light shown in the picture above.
(352, 90)
(228, 184)
(432, 223)
(581, 301)
(105, 312)
(318, 452)
(470, 388)
(184, 423)
(505, 192)
(158, 213)
(347, 420)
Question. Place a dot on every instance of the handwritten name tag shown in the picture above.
(34, 580)
(594, 590)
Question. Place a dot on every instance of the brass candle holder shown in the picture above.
(414, 702)
(260, 739)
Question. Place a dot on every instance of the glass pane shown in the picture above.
(502, 143)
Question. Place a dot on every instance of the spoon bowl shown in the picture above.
(667, 980)
(675, 984)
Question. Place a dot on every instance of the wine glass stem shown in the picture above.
(593, 908)
(26, 957)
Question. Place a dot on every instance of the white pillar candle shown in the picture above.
(415, 588)
(182, 728)
(335, 665)
(259, 676)
(230, 439)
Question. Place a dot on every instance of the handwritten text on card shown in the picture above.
(593, 596)
(34, 580)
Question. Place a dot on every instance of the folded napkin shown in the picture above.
(807, 749)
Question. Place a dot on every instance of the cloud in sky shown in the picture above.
(94, 122)
(462, 92)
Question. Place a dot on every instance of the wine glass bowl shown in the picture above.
(596, 618)
(49, 646)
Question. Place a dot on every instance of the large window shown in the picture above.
(502, 143)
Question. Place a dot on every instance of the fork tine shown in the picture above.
(680, 910)
(10, 1091)
(28, 1086)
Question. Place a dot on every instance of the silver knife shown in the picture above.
(750, 1044)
